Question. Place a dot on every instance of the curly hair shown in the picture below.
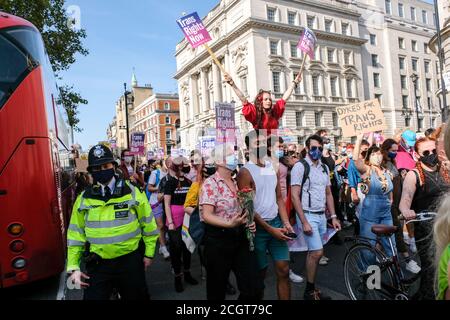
(372, 149)
(259, 108)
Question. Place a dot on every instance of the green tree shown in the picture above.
(62, 42)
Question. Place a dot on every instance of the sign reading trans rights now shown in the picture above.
(194, 30)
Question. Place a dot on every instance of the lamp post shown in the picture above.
(414, 78)
(441, 63)
(125, 94)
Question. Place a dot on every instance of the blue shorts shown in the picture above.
(318, 223)
(264, 242)
(158, 210)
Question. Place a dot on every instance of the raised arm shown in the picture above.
(356, 152)
(229, 80)
(291, 88)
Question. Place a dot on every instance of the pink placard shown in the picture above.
(194, 30)
(307, 42)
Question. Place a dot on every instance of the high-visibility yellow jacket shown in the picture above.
(113, 228)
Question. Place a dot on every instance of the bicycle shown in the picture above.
(369, 274)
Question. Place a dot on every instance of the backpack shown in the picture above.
(148, 193)
(306, 175)
(196, 227)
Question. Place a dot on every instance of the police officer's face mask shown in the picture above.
(103, 176)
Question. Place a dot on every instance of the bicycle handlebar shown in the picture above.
(421, 216)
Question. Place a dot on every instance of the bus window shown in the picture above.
(30, 40)
(13, 68)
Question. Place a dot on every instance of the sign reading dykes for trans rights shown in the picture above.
(363, 117)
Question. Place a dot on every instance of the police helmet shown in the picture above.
(99, 155)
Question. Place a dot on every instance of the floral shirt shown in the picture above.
(216, 192)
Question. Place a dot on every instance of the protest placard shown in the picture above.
(81, 165)
(137, 143)
(307, 42)
(151, 155)
(113, 143)
(207, 144)
(225, 122)
(362, 117)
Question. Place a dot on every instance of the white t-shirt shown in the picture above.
(152, 181)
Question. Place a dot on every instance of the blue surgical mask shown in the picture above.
(279, 154)
(392, 155)
(350, 156)
(315, 154)
(231, 162)
(103, 176)
(327, 146)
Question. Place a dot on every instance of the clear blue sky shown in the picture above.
(122, 35)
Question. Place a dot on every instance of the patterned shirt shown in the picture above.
(216, 192)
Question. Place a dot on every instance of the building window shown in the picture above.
(420, 123)
(345, 29)
(378, 97)
(403, 82)
(347, 57)
(300, 141)
(330, 55)
(315, 83)
(400, 10)
(428, 84)
(294, 53)
(407, 122)
(427, 66)
(333, 86)
(413, 14)
(311, 22)
(414, 45)
(271, 14)
(401, 43)
(168, 134)
(433, 122)
(405, 102)
(167, 106)
(335, 120)
(299, 115)
(291, 17)
(374, 60)
(349, 83)
(387, 6)
(437, 67)
(373, 39)
(167, 120)
(318, 119)
(425, 47)
(328, 25)
(376, 80)
(401, 62)
(273, 47)
(414, 64)
(424, 17)
(434, 19)
(429, 103)
(276, 81)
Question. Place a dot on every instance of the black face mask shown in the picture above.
(103, 176)
(209, 171)
(430, 160)
(186, 170)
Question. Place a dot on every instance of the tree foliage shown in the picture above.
(62, 42)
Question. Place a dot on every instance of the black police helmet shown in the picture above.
(99, 155)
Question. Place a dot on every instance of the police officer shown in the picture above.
(112, 216)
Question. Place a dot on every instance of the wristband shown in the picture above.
(333, 216)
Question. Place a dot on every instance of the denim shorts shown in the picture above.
(264, 242)
(158, 210)
(318, 223)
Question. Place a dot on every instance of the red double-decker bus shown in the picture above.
(36, 166)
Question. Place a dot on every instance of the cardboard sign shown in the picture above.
(307, 42)
(194, 30)
(81, 165)
(225, 122)
(207, 144)
(151, 155)
(137, 143)
(363, 117)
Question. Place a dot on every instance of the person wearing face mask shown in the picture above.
(175, 191)
(312, 198)
(422, 191)
(405, 155)
(112, 216)
(377, 187)
(225, 240)
(263, 114)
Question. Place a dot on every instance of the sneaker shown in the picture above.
(412, 266)
(189, 279)
(323, 261)
(163, 250)
(326, 258)
(412, 246)
(315, 295)
(295, 277)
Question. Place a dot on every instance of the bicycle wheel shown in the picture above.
(357, 274)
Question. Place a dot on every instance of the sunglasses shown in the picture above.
(315, 148)
(426, 153)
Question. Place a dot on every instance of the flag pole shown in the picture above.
(211, 53)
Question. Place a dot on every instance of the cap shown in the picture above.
(99, 155)
(410, 137)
